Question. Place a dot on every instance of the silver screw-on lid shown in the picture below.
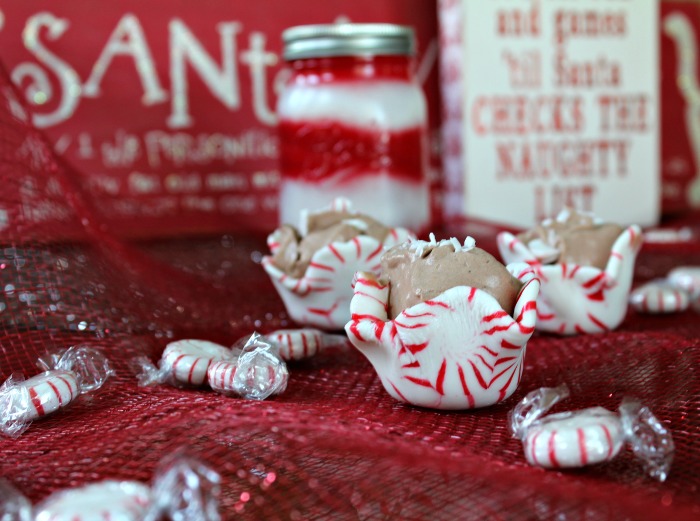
(317, 41)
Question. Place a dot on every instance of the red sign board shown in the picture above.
(166, 109)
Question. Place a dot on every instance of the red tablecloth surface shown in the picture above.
(336, 444)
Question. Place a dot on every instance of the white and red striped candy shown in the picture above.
(107, 500)
(659, 296)
(574, 439)
(189, 360)
(686, 278)
(49, 391)
(297, 344)
(221, 374)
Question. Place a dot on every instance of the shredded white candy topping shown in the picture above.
(339, 204)
(304, 222)
(543, 251)
(421, 248)
(359, 224)
(566, 213)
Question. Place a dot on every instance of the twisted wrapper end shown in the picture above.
(261, 371)
(14, 404)
(147, 373)
(90, 365)
(13, 505)
(649, 439)
(185, 488)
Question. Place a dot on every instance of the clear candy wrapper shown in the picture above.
(589, 436)
(261, 371)
(252, 369)
(67, 374)
(183, 489)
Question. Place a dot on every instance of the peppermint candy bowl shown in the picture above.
(580, 299)
(321, 297)
(460, 350)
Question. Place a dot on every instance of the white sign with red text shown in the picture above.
(561, 109)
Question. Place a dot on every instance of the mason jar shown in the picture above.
(353, 123)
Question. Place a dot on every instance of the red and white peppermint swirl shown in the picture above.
(459, 350)
(107, 500)
(49, 392)
(189, 360)
(659, 297)
(574, 439)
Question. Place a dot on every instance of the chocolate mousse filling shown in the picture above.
(420, 271)
(322, 228)
(572, 238)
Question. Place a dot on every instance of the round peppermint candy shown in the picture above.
(574, 439)
(113, 500)
(189, 360)
(221, 375)
(49, 392)
(659, 297)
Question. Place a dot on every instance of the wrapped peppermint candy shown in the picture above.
(659, 296)
(298, 344)
(672, 294)
(67, 374)
(258, 372)
(252, 369)
(183, 489)
(183, 362)
(589, 436)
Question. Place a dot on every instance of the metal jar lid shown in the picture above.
(318, 41)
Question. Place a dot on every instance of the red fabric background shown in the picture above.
(334, 445)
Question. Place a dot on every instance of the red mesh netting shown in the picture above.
(334, 445)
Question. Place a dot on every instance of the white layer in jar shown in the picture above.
(365, 140)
